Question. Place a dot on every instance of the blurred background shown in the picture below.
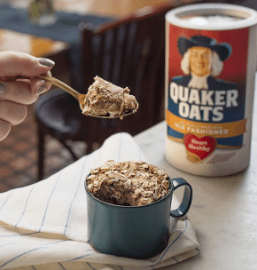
(122, 41)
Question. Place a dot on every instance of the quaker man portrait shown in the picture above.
(202, 61)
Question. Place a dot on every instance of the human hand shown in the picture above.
(19, 86)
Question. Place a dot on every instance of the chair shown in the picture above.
(127, 52)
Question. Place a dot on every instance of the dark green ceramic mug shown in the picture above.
(134, 231)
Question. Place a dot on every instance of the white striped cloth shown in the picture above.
(44, 225)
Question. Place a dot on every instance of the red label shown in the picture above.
(206, 88)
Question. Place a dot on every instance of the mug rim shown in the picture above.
(129, 206)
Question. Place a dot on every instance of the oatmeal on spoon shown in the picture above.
(103, 100)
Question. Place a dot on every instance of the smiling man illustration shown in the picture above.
(202, 61)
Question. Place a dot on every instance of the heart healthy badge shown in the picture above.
(199, 148)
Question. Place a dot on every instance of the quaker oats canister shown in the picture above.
(210, 76)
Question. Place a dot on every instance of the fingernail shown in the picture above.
(46, 62)
(2, 89)
(41, 89)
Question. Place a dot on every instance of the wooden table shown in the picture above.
(101, 7)
(223, 211)
(37, 46)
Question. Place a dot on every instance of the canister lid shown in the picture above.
(244, 17)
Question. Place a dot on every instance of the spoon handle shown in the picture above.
(61, 84)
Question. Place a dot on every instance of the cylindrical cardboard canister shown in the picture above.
(210, 75)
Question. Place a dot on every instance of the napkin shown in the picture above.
(44, 225)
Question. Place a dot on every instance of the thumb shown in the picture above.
(23, 64)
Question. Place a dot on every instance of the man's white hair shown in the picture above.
(217, 64)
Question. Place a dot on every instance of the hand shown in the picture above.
(19, 86)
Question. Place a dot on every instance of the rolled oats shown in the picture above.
(128, 183)
(106, 99)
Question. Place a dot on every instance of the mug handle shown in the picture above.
(187, 198)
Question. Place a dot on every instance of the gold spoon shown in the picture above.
(80, 97)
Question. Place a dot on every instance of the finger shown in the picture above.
(22, 64)
(18, 92)
(11, 78)
(12, 112)
(39, 86)
(5, 128)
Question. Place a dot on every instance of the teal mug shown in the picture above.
(134, 231)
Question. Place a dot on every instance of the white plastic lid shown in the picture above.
(245, 16)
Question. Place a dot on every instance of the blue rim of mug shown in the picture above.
(128, 206)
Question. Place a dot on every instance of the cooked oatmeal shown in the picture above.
(106, 99)
(130, 183)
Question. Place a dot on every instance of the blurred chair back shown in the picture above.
(128, 52)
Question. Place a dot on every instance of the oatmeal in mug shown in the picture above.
(131, 183)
